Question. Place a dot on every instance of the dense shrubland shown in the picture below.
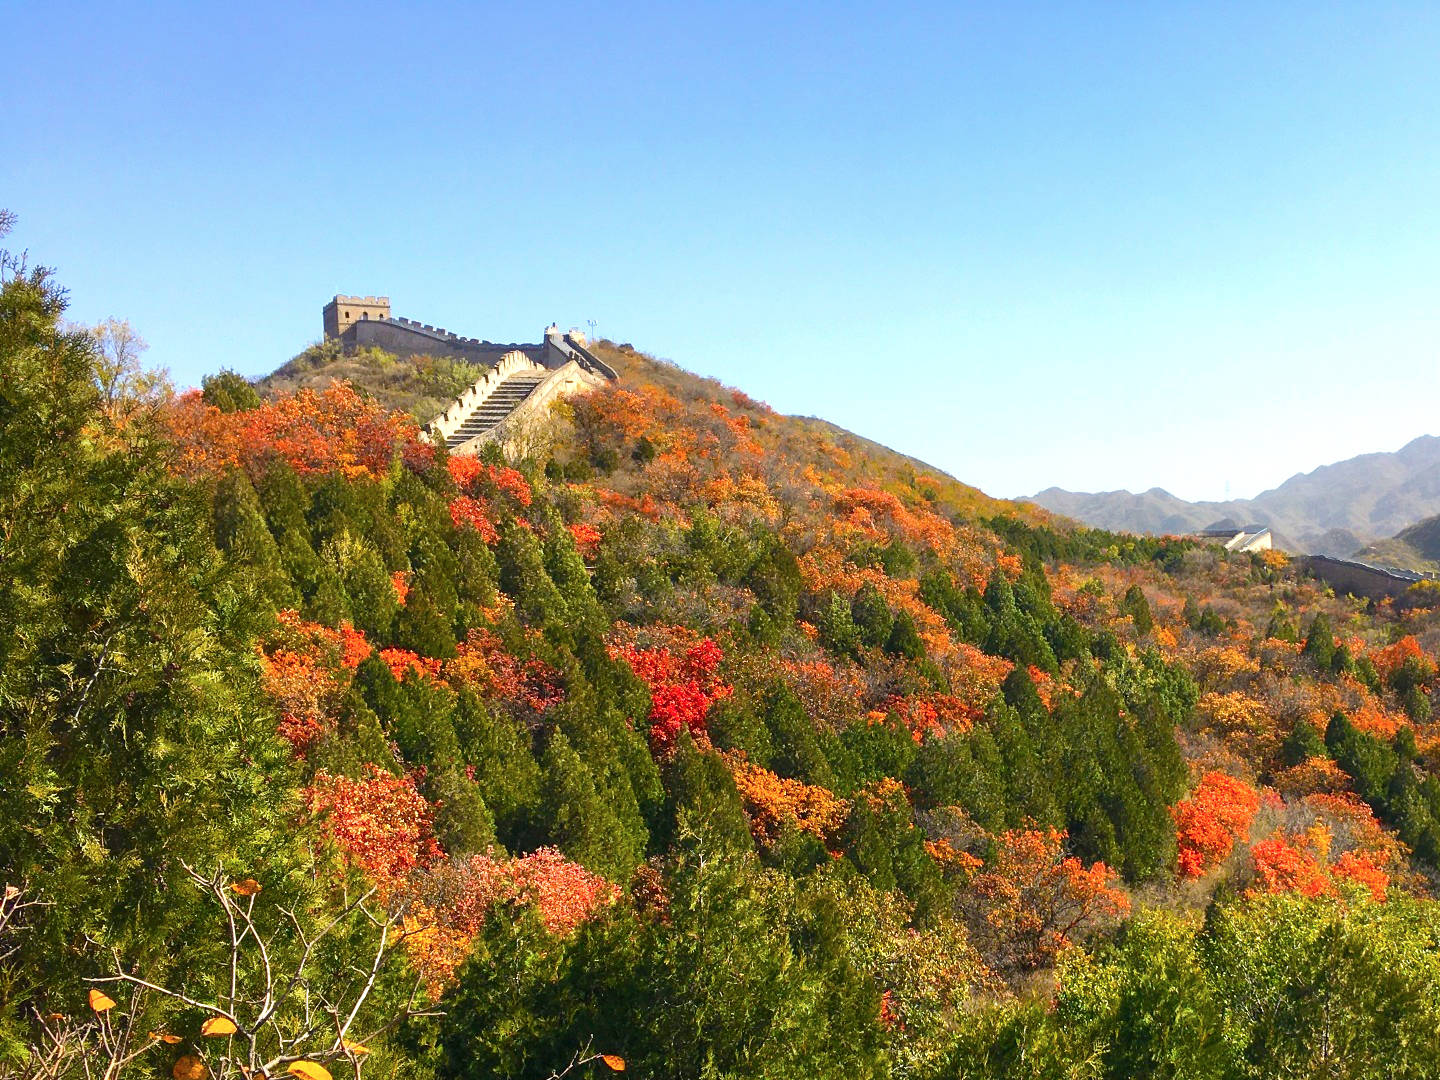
(703, 742)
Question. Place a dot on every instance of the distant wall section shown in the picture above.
(1362, 579)
(366, 321)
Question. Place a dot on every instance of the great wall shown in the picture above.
(1364, 579)
(516, 392)
(523, 380)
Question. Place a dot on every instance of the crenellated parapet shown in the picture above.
(344, 312)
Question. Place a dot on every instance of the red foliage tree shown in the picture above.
(587, 539)
(474, 477)
(452, 902)
(382, 822)
(682, 689)
(468, 512)
(306, 668)
(1209, 822)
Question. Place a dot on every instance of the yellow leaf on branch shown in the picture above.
(309, 1070)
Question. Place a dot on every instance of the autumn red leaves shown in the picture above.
(1220, 813)
(1034, 896)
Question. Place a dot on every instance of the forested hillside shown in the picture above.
(702, 741)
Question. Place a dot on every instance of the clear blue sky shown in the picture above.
(1099, 246)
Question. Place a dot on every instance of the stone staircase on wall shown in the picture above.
(517, 393)
(499, 404)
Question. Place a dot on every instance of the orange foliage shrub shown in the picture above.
(1374, 719)
(932, 715)
(831, 694)
(879, 516)
(951, 858)
(885, 794)
(1392, 658)
(1363, 868)
(1012, 566)
(1284, 864)
(1035, 898)
(1368, 853)
(1044, 684)
(616, 415)
(771, 801)
(329, 430)
(825, 567)
(1313, 776)
(1300, 860)
(400, 582)
(742, 498)
(483, 664)
(975, 676)
(403, 662)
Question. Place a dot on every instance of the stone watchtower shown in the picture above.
(345, 311)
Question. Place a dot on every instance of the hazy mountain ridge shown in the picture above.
(1334, 509)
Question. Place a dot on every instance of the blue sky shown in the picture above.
(1100, 246)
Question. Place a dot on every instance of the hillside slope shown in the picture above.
(1332, 510)
(1415, 548)
(808, 440)
(689, 740)
(418, 385)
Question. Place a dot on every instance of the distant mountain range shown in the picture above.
(1335, 510)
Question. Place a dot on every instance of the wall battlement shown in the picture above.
(343, 312)
(512, 397)
(361, 321)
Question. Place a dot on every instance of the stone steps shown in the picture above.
(503, 400)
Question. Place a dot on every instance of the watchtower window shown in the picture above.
(347, 314)
(365, 315)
